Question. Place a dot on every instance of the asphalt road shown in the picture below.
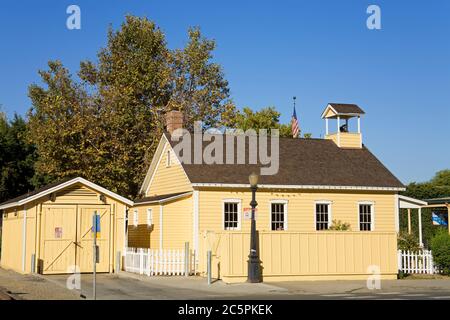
(134, 287)
(140, 287)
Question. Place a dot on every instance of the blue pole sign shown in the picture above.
(439, 218)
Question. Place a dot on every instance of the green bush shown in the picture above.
(406, 241)
(440, 246)
(338, 225)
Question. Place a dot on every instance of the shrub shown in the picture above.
(440, 246)
(338, 225)
(406, 241)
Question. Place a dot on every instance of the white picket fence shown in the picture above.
(152, 262)
(416, 262)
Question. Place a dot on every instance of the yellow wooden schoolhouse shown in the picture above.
(320, 183)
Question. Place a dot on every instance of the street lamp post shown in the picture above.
(254, 268)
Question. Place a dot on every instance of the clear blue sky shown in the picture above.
(319, 51)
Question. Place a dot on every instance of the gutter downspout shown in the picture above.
(24, 238)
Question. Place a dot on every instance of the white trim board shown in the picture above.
(65, 185)
(277, 186)
(163, 145)
(162, 201)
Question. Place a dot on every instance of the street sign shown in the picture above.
(248, 213)
(439, 218)
(96, 225)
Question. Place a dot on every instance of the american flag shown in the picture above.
(294, 124)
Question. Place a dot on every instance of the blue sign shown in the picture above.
(96, 223)
(439, 219)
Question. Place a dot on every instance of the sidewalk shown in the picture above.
(30, 287)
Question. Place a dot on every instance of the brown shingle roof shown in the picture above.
(346, 108)
(315, 162)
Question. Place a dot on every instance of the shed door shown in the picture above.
(85, 239)
(58, 238)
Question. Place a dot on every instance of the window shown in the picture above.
(168, 159)
(278, 212)
(135, 218)
(231, 215)
(365, 217)
(149, 217)
(322, 216)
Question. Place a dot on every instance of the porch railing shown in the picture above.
(167, 262)
(418, 262)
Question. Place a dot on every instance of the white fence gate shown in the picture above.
(159, 262)
(416, 262)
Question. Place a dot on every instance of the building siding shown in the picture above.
(170, 179)
(300, 208)
(12, 233)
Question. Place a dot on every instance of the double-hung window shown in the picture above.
(231, 214)
(366, 221)
(323, 215)
(149, 217)
(135, 217)
(278, 215)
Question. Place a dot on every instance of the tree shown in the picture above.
(441, 178)
(437, 187)
(266, 118)
(16, 158)
(106, 126)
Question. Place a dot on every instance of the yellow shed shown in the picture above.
(49, 230)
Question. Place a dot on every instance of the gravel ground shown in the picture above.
(29, 287)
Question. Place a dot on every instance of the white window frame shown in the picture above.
(372, 215)
(285, 203)
(168, 159)
(330, 213)
(239, 203)
(149, 216)
(135, 217)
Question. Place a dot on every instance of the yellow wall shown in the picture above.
(304, 255)
(347, 139)
(300, 208)
(12, 235)
(11, 256)
(170, 179)
(177, 223)
(144, 236)
(328, 255)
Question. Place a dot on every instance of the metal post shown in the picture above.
(186, 259)
(118, 261)
(420, 228)
(209, 271)
(254, 270)
(94, 255)
(33, 263)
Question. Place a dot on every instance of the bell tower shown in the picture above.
(342, 114)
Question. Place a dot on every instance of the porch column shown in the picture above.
(420, 227)
(339, 131)
(448, 216)
(409, 221)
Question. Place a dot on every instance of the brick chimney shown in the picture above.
(174, 121)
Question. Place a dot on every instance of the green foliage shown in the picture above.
(106, 127)
(441, 178)
(267, 118)
(338, 225)
(440, 246)
(17, 158)
(437, 187)
(406, 241)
